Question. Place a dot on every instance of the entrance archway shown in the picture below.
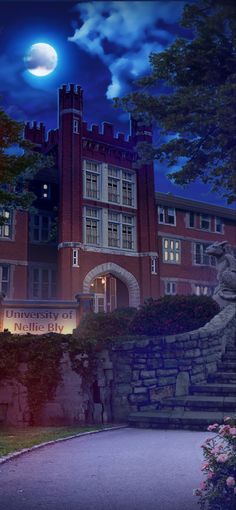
(119, 272)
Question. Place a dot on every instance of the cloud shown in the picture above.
(123, 34)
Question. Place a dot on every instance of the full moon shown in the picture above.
(41, 59)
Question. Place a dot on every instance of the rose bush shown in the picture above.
(218, 490)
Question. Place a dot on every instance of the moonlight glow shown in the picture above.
(41, 59)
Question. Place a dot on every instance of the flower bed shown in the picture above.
(218, 490)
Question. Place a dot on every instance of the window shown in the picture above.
(153, 265)
(191, 220)
(42, 283)
(127, 189)
(4, 278)
(75, 126)
(75, 258)
(40, 228)
(167, 215)
(45, 191)
(203, 290)
(6, 229)
(113, 229)
(205, 222)
(92, 179)
(121, 186)
(170, 288)
(200, 256)
(127, 232)
(171, 251)
(219, 225)
(92, 226)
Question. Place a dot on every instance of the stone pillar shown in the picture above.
(85, 302)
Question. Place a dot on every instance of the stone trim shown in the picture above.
(125, 276)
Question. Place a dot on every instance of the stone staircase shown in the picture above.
(207, 402)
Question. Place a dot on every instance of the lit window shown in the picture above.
(201, 257)
(203, 290)
(45, 190)
(205, 222)
(170, 288)
(4, 278)
(219, 225)
(167, 215)
(75, 258)
(153, 265)
(75, 126)
(171, 251)
(6, 228)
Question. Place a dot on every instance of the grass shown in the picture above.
(15, 439)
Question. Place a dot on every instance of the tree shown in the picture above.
(190, 93)
(18, 163)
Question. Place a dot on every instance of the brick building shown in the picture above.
(117, 238)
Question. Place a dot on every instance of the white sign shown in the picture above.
(39, 321)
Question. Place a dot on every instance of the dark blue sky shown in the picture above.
(103, 46)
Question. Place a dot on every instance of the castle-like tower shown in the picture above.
(107, 220)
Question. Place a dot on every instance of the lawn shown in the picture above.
(15, 439)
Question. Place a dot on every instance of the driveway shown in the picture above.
(125, 469)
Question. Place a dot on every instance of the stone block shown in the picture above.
(165, 381)
(182, 384)
(140, 390)
(157, 394)
(192, 353)
(147, 374)
(170, 363)
(123, 389)
(137, 399)
(150, 382)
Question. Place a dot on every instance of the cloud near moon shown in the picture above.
(41, 59)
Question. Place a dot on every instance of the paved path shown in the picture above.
(126, 469)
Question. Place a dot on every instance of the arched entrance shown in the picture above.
(112, 286)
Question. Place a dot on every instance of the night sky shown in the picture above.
(102, 46)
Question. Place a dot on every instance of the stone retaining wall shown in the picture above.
(132, 375)
(148, 370)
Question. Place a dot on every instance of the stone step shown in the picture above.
(225, 377)
(225, 366)
(175, 419)
(213, 389)
(202, 402)
(229, 356)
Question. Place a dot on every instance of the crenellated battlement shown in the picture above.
(53, 138)
(106, 135)
(70, 98)
(35, 132)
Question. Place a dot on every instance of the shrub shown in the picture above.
(101, 326)
(173, 314)
(218, 490)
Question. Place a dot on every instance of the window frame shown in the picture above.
(8, 224)
(168, 249)
(164, 215)
(5, 282)
(203, 256)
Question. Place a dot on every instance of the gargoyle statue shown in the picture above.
(226, 268)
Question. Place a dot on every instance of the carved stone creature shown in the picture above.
(226, 267)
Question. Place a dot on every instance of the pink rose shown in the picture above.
(230, 481)
(205, 465)
(232, 431)
(210, 475)
(223, 457)
(213, 427)
(203, 486)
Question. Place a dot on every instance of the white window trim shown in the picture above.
(202, 218)
(173, 287)
(175, 251)
(99, 222)
(75, 257)
(222, 222)
(203, 244)
(75, 126)
(120, 180)
(164, 210)
(154, 265)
